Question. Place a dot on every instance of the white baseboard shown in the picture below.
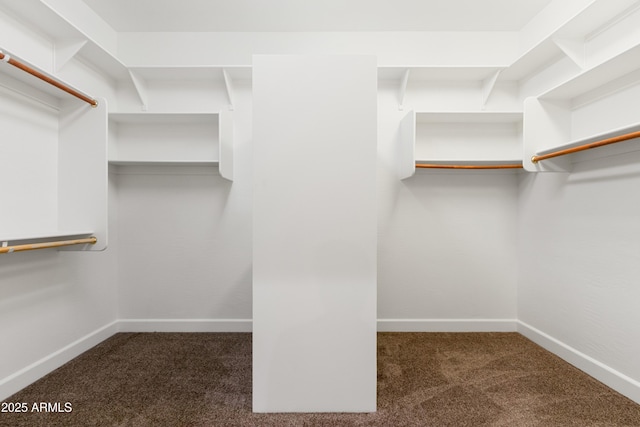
(598, 370)
(447, 325)
(383, 325)
(185, 325)
(29, 374)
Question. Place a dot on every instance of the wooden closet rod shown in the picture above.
(45, 245)
(6, 58)
(444, 166)
(602, 142)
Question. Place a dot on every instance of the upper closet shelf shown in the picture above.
(202, 72)
(602, 77)
(598, 104)
(44, 236)
(402, 77)
(460, 140)
(458, 72)
(172, 139)
(468, 117)
(164, 118)
(143, 78)
(194, 162)
(570, 39)
(531, 61)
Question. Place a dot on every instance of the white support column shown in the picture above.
(315, 233)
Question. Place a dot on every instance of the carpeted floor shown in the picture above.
(424, 379)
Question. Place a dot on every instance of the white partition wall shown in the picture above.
(315, 233)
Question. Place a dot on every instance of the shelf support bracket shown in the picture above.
(488, 85)
(141, 88)
(403, 89)
(65, 50)
(228, 83)
(574, 49)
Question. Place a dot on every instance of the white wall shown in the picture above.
(447, 251)
(184, 248)
(30, 140)
(446, 258)
(485, 48)
(185, 253)
(579, 252)
(53, 304)
(447, 243)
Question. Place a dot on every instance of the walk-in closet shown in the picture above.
(306, 194)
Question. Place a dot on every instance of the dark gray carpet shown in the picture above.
(424, 379)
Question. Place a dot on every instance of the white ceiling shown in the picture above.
(316, 15)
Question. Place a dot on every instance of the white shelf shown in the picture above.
(163, 163)
(49, 22)
(438, 73)
(599, 103)
(469, 117)
(531, 61)
(163, 118)
(46, 236)
(469, 136)
(593, 79)
(569, 39)
(172, 139)
(161, 137)
(466, 137)
(202, 72)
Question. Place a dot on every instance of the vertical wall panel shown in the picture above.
(314, 278)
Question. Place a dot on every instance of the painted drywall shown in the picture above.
(447, 241)
(447, 250)
(31, 140)
(192, 215)
(549, 20)
(184, 252)
(485, 48)
(19, 38)
(53, 306)
(579, 252)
